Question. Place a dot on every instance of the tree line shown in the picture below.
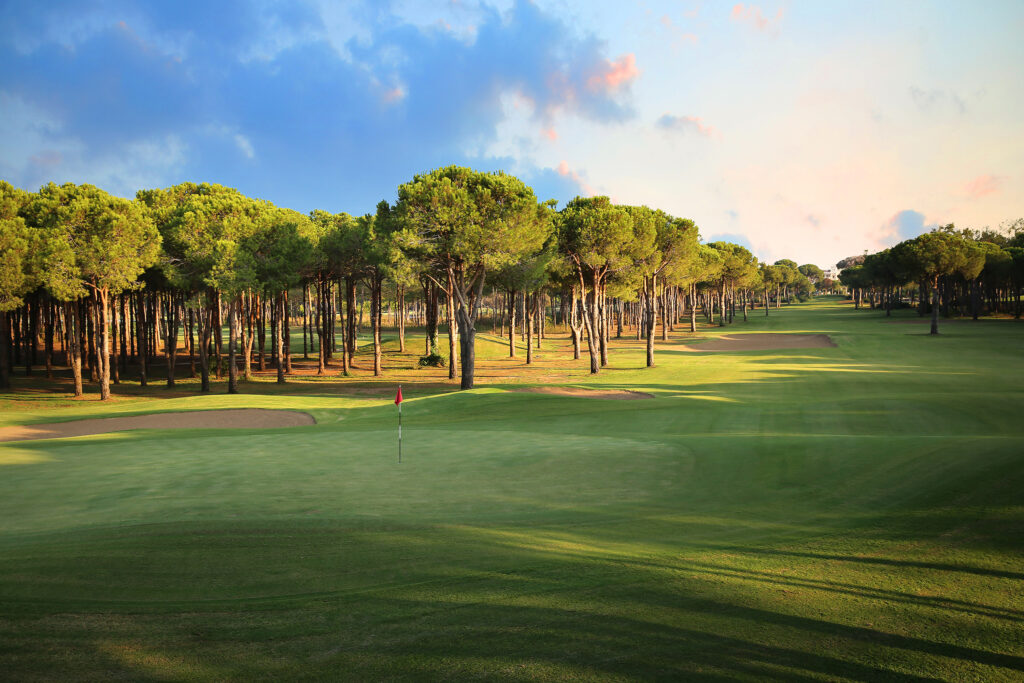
(106, 278)
(967, 272)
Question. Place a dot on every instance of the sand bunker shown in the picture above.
(607, 394)
(247, 418)
(763, 342)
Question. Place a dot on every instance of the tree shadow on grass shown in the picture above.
(384, 600)
(881, 561)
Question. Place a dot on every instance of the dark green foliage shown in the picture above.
(434, 360)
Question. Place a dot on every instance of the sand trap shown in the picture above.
(763, 342)
(607, 394)
(247, 418)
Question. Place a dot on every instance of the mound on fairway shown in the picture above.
(607, 394)
(764, 342)
(249, 418)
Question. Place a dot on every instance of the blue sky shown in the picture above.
(808, 130)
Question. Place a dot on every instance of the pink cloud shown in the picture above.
(752, 14)
(564, 170)
(685, 123)
(550, 133)
(982, 186)
(678, 34)
(393, 95)
(47, 158)
(612, 75)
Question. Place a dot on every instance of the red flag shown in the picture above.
(398, 398)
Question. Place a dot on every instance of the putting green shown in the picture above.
(850, 512)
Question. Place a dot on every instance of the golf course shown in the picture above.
(840, 502)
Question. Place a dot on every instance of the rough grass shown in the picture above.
(814, 514)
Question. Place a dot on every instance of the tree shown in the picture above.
(704, 270)
(275, 251)
(527, 276)
(17, 267)
(464, 224)
(112, 242)
(932, 256)
(595, 236)
(812, 273)
(201, 226)
(662, 246)
(789, 275)
(738, 267)
(771, 279)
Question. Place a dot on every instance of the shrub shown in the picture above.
(433, 361)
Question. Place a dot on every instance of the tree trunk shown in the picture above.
(538, 319)
(218, 340)
(528, 325)
(935, 307)
(342, 326)
(103, 350)
(651, 315)
(975, 304)
(125, 333)
(73, 313)
(305, 322)
(261, 330)
(400, 295)
(171, 343)
(279, 336)
(205, 324)
(140, 329)
(115, 373)
(666, 318)
(512, 323)
(350, 312)
(5, 341)
(232, 344)
(376, 301)
(89, 306)
(286, 331)
(602, 320)
(430, 314)
(693, 308)
(575, 328)
(244, 320)
(590, 322)
(320, 321)
(721, 305)
(453, 331)
(154, 318)
(467, 338)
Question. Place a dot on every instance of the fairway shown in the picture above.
(845, 512)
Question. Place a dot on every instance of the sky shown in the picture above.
(808, 130)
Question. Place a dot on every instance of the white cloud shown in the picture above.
(35, 151)
(245, 145)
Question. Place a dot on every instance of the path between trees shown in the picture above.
(246, 418)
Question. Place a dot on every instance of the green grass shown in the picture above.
(848, 513)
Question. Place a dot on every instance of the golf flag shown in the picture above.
(398, 402)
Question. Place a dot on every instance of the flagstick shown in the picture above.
(399, 430)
